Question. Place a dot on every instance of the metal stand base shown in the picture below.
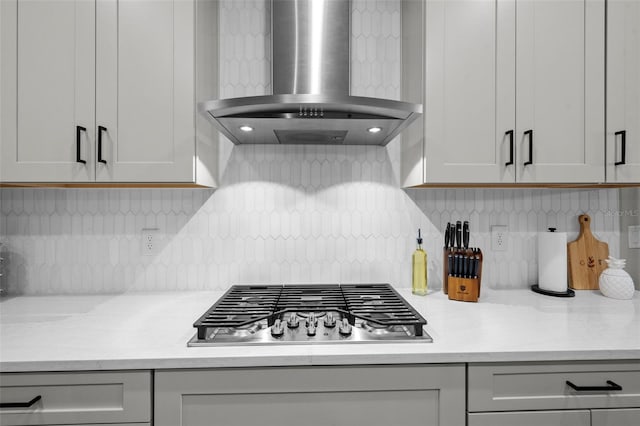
(568, 293)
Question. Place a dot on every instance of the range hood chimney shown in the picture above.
(311, 101)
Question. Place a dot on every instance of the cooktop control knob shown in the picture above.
(311, 330)
(329, 320)
(345, 327)
(293, 321)
(277, 329)
(311, 319)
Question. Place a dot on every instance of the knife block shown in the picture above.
(459, 288)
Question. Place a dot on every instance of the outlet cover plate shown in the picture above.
(634, 236)
(150, 241)
(499, 238)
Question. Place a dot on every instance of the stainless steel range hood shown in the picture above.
(311, 103)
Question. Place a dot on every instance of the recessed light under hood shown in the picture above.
(311, 103)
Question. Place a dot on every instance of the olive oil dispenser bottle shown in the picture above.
(419, 269)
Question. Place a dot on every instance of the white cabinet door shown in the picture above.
(620, 417)
(545, 385)
(498, 71)
(623, 91)
(531, 418)
(560, 91)
(319, 396)
(470, 91)
(47, 86)
(145, 90)
(97, 397)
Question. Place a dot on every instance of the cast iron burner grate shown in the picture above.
(382, 305)
(242, 305)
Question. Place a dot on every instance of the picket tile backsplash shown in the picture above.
(276, 227)
(283, 214)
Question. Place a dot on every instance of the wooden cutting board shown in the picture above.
(586, 257)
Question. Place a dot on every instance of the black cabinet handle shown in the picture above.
(101, 129)
(623, 147)
(20, 404)
(79, 130)
(530, 134)
(612, 387)
(510, 134)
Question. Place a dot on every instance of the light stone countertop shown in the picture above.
(150, 331)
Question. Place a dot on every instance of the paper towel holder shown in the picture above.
(568, 293)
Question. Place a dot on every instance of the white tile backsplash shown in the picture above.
(275, 229)
(283, 214)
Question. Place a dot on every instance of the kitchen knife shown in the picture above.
(447, 235)
(458, 234)
(467, 267)
(452, 236)
(463, 267)
(450, 263)
(455, 266)
(476, 264)
(465, 234)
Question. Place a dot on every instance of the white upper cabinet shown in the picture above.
(47, 86)
(470, 92)
(513, 92)
(623, 91)
(560, 91)
(144, 90)
(124, 73)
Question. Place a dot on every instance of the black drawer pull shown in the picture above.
(20, 404)
(101, 129)
(623, 147)
(612, 387)
(510, 134)
(530, 134)
(79, 130)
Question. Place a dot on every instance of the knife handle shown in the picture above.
(476, 266)
(465, 234)
(454, 270)
(450, 263)
(465, 262)
(447, 234)
(458, 234)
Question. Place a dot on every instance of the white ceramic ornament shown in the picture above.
(614, 281)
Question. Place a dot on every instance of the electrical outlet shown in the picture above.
(150, 241)
(499, 238)
(634, 236)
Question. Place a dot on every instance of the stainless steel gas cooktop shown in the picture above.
(302, 314)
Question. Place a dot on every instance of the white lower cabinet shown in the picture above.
(620, 417)
(550, 394)
(76, 398)
(532, 418)
(322, 396)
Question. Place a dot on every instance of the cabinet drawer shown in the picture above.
(338, 396)
(543, 386)
(76, 398)
(532, 418)
(617, 417)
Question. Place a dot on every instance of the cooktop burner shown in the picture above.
(319, 313)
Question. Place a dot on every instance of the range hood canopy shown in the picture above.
(311, 103)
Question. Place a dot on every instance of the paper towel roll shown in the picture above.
(552, 261)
